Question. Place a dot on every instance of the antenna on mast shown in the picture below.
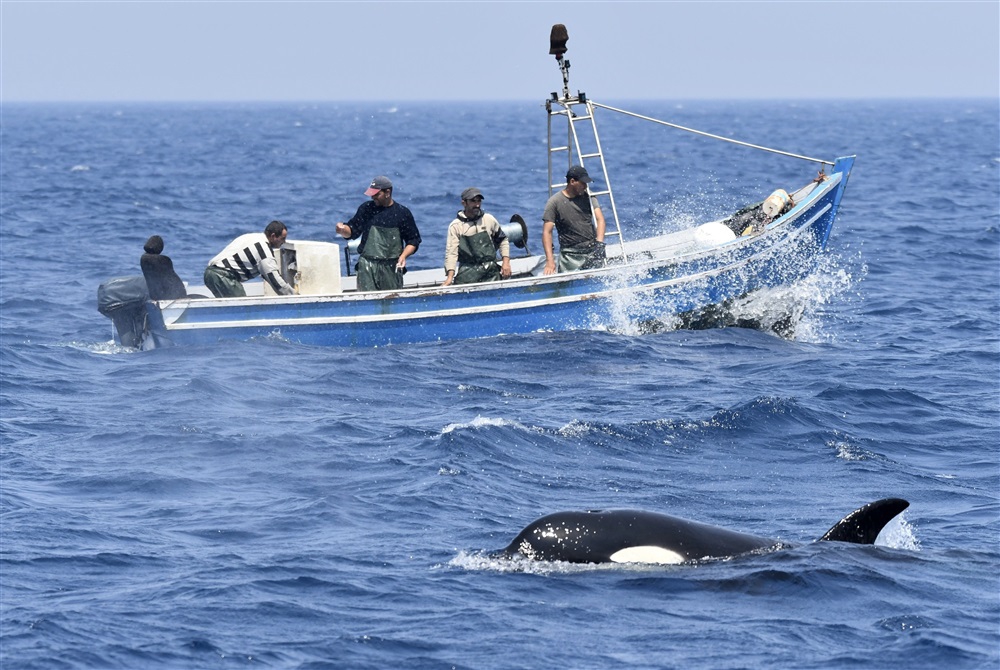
(557, 47)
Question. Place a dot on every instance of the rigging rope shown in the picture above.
(717, 137)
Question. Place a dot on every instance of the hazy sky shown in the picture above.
(312, 51)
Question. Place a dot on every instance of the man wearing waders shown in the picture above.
(578, 219)
(388, 237)
(474, 238)
(246, 257)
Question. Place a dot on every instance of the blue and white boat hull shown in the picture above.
(662, 277)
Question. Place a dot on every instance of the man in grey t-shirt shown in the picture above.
(575, 215)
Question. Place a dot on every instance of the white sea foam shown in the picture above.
(625, 303)
(850, 452)
(899, 534)
(575, 428)
(485, 562)
(794, 311)
(104, 348)
(484, 422)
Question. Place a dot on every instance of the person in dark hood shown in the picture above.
(474, 238)
(161, 280)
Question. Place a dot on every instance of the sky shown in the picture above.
(231, 50)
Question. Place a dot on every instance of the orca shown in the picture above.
(637, 536)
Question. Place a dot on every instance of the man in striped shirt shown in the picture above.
(246, 257)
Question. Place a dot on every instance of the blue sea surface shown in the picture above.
(268, 504)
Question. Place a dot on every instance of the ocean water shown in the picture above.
(267, 504)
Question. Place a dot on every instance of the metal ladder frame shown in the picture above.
(565, 105)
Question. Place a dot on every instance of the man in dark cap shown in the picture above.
(578, 219)
(161, 280)
(388, 235)
(474, 238)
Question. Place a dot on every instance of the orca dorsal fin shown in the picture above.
(863, 525)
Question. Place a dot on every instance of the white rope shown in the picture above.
(717, 137)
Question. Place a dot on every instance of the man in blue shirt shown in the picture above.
(388, 235)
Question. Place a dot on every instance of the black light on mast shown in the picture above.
(557, 47)
(557, 40)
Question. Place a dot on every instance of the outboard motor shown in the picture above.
(123, 300)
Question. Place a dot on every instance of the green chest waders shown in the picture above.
(377, 265)
(477, 259)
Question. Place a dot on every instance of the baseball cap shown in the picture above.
(472, 192)
(579, 173)
(378, 183)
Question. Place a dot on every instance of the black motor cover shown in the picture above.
(123, 300)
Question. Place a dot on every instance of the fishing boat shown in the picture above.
(679, 275)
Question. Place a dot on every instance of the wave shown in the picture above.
(480, 422)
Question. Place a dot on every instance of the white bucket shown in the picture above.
(775, 203)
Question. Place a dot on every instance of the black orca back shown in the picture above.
(595, 536)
